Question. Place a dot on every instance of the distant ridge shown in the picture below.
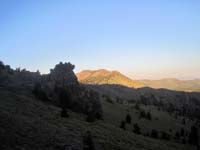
(103, 76)
(174, 84)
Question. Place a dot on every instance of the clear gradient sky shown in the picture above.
(141, 38)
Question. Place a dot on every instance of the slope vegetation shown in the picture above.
(27, 123)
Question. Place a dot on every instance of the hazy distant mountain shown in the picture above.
(102, 76)
(173, 84)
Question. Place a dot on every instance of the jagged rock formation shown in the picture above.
(63, 74)
(60, 87)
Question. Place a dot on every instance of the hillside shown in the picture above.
(27, 123)
(54, 111)
(100, 77)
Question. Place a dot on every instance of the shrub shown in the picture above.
(182, 132)
(165, 136)
(92, 107)
(183, 121)
(123, 125)
(39, 93)
(177, 135)
(193, 136)
(64, 113)
(142, 114)
(144, 100)
(146, 134)
(154, 134)
(136, 129)
(64, 97)
(198, 147)
(145, 115)
(183, 141)
(88, 143)
(128, 118)
(108, 99)
(148, 116)
(90, 117)
(137, 106)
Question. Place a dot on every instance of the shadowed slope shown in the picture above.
(27, 123)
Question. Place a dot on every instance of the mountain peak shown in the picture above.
(103, 76)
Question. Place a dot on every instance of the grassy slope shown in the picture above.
(161, 121)
(27, 123)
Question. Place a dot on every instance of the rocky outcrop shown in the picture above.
(60, 87)
(63, 74)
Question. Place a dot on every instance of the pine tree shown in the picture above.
(193, 136)
(137, 106)
(128, 118)
(136, 129)
(177, 135)
(148, 116)
(182, 132)
(165, 136)
(154, 134)
(142, 114)
(123, 125)
(88, 143)
(64, 113)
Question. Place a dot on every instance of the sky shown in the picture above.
(141, 38)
